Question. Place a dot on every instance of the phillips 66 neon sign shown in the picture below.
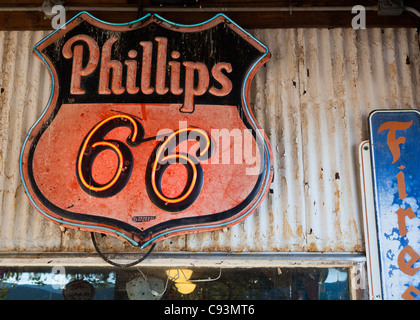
(148, 132)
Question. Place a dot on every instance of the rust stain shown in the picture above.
(287, 230)
(337, 200)
(392, 70)
(300, 231)
(312, 247)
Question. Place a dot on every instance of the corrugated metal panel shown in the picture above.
(312, 98)
(25, 88)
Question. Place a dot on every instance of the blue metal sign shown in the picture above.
(395, 152)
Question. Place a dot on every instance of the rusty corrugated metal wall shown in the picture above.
(312, 99)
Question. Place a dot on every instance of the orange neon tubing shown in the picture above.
(120, 156)
(190, 189)
(162, 147)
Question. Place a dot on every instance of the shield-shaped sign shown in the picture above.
(148, 132)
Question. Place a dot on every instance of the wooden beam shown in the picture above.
(35, 20)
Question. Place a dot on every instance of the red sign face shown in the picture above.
(148, 132)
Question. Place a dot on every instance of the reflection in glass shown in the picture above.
(150, 283)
